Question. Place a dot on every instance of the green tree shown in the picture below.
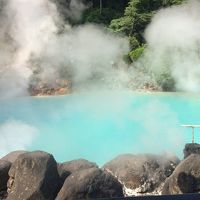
(166, 81)
(136, 53)
(137, 16)
(94, 16)
(103, 11)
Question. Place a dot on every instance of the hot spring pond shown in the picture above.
(99, 126)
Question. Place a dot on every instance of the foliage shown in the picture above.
(134, 43)
(121, 25)
(166, 81)
(130, 18)
(135, 54)
(172, 2)
(110, 10)
(94, 16)
(138, 15)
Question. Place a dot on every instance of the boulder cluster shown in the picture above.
(37, 176)
(42, 88)
(142, 174)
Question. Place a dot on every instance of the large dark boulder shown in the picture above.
(185, 178)
(11, 157)
(67, 168)
(4, 168)
(90, 183)
(142, 173)
(33, 176)
(191, 148)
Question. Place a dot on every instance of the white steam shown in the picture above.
(161, 126)
(26, 27)
(73, 10)
(86, 51)
(34, 38)
(174, 44)
(15, 135)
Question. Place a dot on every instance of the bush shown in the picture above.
(105, 17)
(166, 81)
(135, 54)
(138, 15)
(121, 25)
(134, 43)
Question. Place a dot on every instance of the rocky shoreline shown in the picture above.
(64, 87)
(37, 176)
(59, 87)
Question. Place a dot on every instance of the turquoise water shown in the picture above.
(99, 126)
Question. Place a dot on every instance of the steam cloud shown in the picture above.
(26, 27)
(161, 127)
(15, 135)
(73, 10)
(34, 37)
(89, 51)
(174, 37)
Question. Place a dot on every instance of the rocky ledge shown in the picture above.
(42, 88)
(36, 175)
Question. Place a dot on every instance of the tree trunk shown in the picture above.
(100, 6)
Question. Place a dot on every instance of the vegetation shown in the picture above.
(166, 82)
(103, 11)
(137, 16)
(129, 18)
(104, 17)
(136, 53)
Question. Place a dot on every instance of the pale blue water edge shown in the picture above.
(99, 126)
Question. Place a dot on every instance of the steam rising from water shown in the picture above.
(33, 37)
(26, 28)
(86, 51)
(161, 126)
(15, 135)
(174, 44)
(36, 38)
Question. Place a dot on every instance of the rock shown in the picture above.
(62, 91)
(11, 157)
(46, 88)
(4, 168)
(33, 176)
(66, 168)
(191, 148)
(90, 183)
(185, 178)
(142, 173)
(5, 164)
(3, 195)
